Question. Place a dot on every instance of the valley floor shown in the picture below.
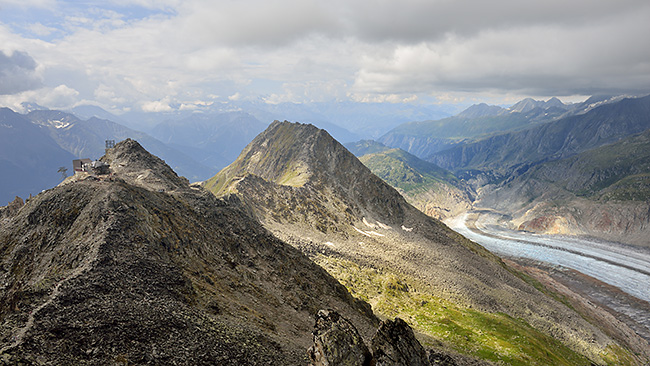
(613, 276)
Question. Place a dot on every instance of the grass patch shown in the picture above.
(496, 337)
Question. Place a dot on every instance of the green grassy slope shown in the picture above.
(495, 337)
(433, 190)
(406, 171)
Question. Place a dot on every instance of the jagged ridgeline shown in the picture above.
(137, 267)
(310, 191)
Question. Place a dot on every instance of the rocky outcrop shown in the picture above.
(395, 344)
(550, 224)
(12, 208)
(337, 342)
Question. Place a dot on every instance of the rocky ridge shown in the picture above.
(138, 267)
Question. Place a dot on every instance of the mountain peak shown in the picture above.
(529, 104)
(131, 162)
(554, 102)
(480, 110)
(303, 157)
(292, 154)
(525, 105)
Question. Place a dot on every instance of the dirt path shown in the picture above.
(20, 334)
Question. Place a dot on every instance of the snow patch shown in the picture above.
(329, 243)
(385, 227)
(408, 229)
(361, 231)
(372, 226)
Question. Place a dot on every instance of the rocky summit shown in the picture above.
(310, 191)
(138, 267)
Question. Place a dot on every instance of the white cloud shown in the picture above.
(41, 30)
(59, 97)
(28, 3)
(156, 106)
(383, 98)
(177, 51)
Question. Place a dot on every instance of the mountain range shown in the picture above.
(86, 139)
(602, 192)
(308, 190)
(425, 138)
(214, 140)
(293, 252)
(29, 157)
(575, 169)
(195, 144)
(504, 153)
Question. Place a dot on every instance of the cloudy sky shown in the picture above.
(160, 55)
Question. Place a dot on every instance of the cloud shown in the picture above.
(157, 55)
(17, 73)
(415, 21)
(28, 3)
(268, 23)
(59, 97)
(549, 60)
(156, 106)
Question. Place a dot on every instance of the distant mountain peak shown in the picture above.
(525, 105)
(554, 102)
(53, 118)
(528, 104)
(481, 110)
(364, 147)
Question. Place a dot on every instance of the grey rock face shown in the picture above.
(337, 342)
(395, 344)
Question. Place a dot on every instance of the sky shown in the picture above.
(166, 55)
